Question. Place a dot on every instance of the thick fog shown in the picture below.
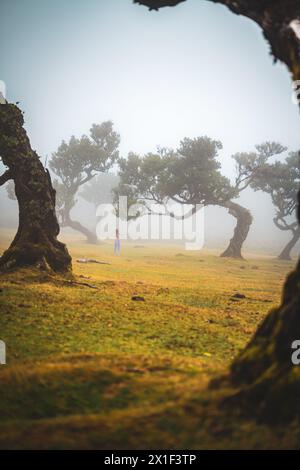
(189, 71)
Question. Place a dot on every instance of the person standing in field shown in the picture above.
(117, 245)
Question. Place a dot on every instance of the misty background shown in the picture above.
(189, 71)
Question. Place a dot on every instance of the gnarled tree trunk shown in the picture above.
(90, 236)
(243, 224)
(285, 255)
(35, 243)
(66, 221)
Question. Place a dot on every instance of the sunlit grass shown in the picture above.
(89, 367)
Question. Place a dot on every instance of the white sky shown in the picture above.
(193, 70)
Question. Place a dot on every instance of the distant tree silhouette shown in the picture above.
(281, 181)
(75, 163)
(191, 175)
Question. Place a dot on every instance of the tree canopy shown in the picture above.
(77, 162)
(281, 181)
(192, 175)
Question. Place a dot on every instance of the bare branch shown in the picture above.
(282, 225)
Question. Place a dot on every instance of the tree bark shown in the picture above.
(244, 221)
(35, 243)
(285, 255)
(267, 382)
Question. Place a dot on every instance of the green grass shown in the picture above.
(91, 368)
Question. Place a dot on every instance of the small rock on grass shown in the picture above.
(138, 298)
(238, 296)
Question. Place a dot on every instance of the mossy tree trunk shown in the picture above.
(243, 224)
(35, 243)
(264, 372)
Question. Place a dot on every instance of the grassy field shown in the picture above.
(92, 368)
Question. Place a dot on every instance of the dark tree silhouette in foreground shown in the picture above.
(281, 181)
(35, 243)
(267, 382)
(76, 163)
(277, 19)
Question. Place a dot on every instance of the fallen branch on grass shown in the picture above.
(89, 260)
(76, 283)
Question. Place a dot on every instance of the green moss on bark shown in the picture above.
(35, 243)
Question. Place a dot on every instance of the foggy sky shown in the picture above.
(192, 70)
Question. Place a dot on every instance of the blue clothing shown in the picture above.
(117, 246)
